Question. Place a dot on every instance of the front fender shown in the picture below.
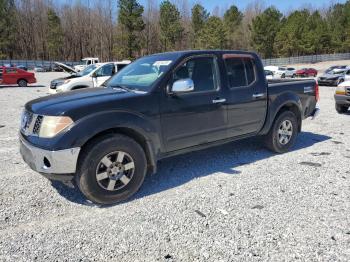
(276, 103)
(91, 125)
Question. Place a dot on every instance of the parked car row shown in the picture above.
(276, 72)
(94, 75)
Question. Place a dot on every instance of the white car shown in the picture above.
(92, 76)
(85, 62)
(281, 71)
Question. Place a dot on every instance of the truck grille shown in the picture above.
(31, 123)
(37, 125)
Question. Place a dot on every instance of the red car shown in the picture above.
(13, 76)
(306, 72)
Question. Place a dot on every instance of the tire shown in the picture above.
(273, 139)
(283, 76)
(96, 181)
(341, 109)
(293, 76)
(22, 83)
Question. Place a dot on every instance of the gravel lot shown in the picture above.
(236, 202)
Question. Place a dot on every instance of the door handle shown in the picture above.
(258, 95)
(219, 101)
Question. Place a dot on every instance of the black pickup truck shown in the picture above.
(105, 140)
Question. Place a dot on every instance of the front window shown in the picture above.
(143, 73)
(106, 70)
(87, 70)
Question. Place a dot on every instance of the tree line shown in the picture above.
(125, 29)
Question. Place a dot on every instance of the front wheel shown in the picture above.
(111, 169)
(341, 109)
(283, 133)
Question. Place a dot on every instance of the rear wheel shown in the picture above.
(341, 109)
(111, 169)
(283, 133)
(22, 83)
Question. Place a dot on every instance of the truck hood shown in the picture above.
(69, 103)
(66, 68)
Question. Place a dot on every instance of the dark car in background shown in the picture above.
(306, 72)
(334, 77)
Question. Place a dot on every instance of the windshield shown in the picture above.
(87, 70)
(143, 73)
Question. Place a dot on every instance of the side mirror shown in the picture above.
(183, 86)
(94, 75)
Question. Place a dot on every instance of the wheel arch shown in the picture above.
(140, 138)
(287, 102)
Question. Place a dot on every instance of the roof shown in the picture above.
(214, 51)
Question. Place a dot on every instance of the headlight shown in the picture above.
(340, 90)
(52, 125)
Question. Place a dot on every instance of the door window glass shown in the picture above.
(240, 71)
(106, 70)
(202, 71)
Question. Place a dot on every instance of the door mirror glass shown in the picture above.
(94, 75)
(183, 86)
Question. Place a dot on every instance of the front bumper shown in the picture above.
(342, 99)
(51, 163)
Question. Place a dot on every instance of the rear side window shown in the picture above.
(11, 70)
(120, 66)
(240, 71)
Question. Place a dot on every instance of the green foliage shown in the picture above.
(7, 28)
(199, 18)
(54, 35)
(170, 25)
(232, 21)
(212, 36)
(130, 19)
(264, 29)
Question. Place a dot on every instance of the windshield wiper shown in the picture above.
(122, 87)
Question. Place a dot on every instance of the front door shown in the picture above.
(195, 117)
(247, 95)
(103, 74)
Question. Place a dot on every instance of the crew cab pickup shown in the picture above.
(105, 140)
(16, 76)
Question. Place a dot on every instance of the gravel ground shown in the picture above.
(236, 202)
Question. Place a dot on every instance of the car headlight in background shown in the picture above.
(340, 90)
(52, 125)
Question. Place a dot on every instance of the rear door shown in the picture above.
(199, 116)
(247, 95)
(10, 76)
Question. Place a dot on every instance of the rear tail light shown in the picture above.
(317, 91)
